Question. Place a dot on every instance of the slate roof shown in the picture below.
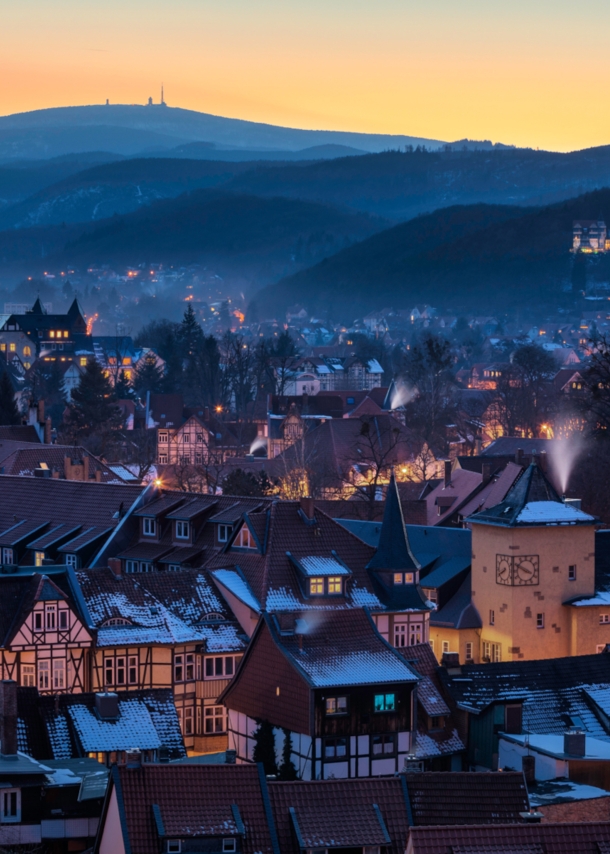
(452, 798)
(341, 813)
(548, 838)
(460, 611)
(556, 693)
(532, 500)
(50, 501)
(393, 551)
(444, 501)
(343, 650)
(69, 727)
(165, 607)
(176, 791)
(24, 461)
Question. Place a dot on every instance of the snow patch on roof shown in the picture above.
(133, 729)
(551, 513)
(236, 585)
(314, 565)
(354, 668)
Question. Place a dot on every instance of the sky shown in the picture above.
(527, 72)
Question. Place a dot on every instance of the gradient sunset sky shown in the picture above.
(527, 72)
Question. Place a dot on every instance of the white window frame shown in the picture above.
(213, 717)
(50, 618)
(163, 437)
(72, 560)
(63, 619)
(244, 539)
(149, 526)
(13, 817)
(108, 671)
(229, 846)
(59, 674)
(224, 532)
(572, 572)
(221, 666)
(133, 669)
(28, 675)
(469, 650)
(540, 621)
(7, 555)
(183, 530)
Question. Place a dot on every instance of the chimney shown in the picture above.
(478, 446)
(47, 431)
(532, 816)
(230, 757)
(307, 506)
(519, 457)
(114, 565)
(41, 419)
(486, 471)
(8, 717)
(575, 742)
(447, 473)
(206, 413)
(305, 402)
(107, 706)
(98, 475)
(133, 758)
(528, 764)
(450, 660)
(542, 461)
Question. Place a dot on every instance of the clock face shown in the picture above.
(526, 569)
(504, 569)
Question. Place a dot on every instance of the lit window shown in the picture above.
(11, 806)
(27, 351)
(2, 348)
(316, 586)
(28, 676)
(38, 558)
(336, 705)
(383, 744)
(572, 572)
(65, 333)
(83, 361)
(127, 375)
(52, 333)
(335, 584)
(214, 719)
(399, 578)
(182, 530)
(244, 539)
(149, 526)
(539, 621)
(385, 702)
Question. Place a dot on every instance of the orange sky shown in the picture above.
(529, 73)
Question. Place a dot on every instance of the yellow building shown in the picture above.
(533, 555)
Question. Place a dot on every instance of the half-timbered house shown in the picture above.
(45, 642)
(342, 695)
(165, 630)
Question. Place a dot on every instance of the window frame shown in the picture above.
(572, 572)
(11, 818)
(336, 706)
(149, 526)
(381, 702)
(386, 738)
(212, 715)
(334, 742)
(540, 620)
(183, 530)
(224, 532)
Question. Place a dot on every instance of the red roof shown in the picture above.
(192, 801)
(511, 839)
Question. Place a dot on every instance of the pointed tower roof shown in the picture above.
(75, 309)
(532, 500)
(393, 552)
(38, 307)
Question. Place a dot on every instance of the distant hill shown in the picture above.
(131, 129)
(402, 185)
(255, 239)
(475, 258)
(114, 188)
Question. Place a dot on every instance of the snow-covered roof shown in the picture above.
(551, 513)
(374, 367)
(553, 745)
(238, 586)
(134, 728)
(354, 668)
(316, 566)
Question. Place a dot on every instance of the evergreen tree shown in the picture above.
(264, 747)
(92, 409)
(8, 407)
(148, 376)
(245, 483)
(190, 333)
(190, 339)
(288, 769)
(123, 389)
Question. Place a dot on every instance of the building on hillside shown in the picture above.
(52, 336)
(343, 693)
(589, 235)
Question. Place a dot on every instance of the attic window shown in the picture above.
(229, 845)
(116, 621)
(224, 531)
(244, 539)
(404, 577)
(149, 527)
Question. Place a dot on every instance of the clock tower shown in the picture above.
(532, 554)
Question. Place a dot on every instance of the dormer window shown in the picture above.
(183, 530)
(229, 846)
(224, 532)
(173, 846)
(149, 526)
(404, 577)
(244, 539)
(334, 584)
(316, 586)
